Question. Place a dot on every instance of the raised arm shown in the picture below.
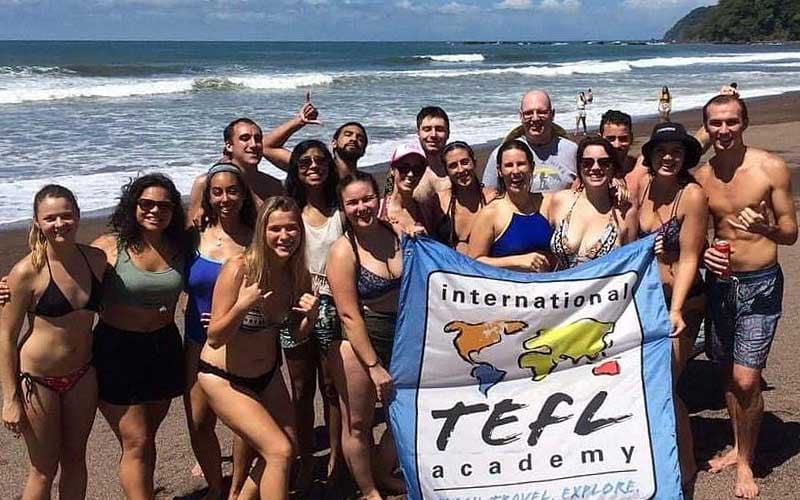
(275, 139)
(20, 280)
(195, 212)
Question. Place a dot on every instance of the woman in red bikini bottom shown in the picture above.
(48, 383)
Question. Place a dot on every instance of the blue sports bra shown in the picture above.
(201, 275)
(524, 233)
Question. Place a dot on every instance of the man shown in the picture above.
(349, 141)
(749, 196)
(243, 149)
(616, 127)
(701, 134)
(554, 156)
(433, 130)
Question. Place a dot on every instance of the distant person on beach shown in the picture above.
(433, 131)
(243, 148)
(258, 293)
(588, 221)
(664, 104)
(349, 142)
(580, 115)
(511, 232)
(364, 271)
(137, 351)
(673, 206)
(400, 208)
(750, 198)
(49, 384)
(553, 155)
(461, 203)
(617, 128)
(731, 89)
(224, 233)
(589, 96)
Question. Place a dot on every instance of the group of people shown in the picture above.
(308, 271)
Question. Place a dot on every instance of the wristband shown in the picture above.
(373, 365)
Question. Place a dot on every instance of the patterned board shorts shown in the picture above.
(327, 330)
(745, 311)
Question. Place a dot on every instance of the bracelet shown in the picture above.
(373, 365)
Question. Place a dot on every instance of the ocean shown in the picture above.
(90, 115)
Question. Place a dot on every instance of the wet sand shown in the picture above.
(775, 125)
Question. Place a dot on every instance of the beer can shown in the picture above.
(722, 246)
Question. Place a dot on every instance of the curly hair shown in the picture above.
(248, 212)
(123, 220)
(295, 187)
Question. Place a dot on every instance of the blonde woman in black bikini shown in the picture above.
(256, 294)
(674, 207)
(49, 387)
(460, 203)
(588, 221)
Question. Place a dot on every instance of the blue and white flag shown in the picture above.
(533, 386)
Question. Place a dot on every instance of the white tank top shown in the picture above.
(318, 246)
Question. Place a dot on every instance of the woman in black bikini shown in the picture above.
(674, 206)
(256, 294)
(364, 269)
(49, 386)
(461, 203)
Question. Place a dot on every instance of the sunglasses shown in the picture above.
(306, 161)
(587, 163)
(405, 168)
(147, 205)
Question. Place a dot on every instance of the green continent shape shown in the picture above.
(550, 346)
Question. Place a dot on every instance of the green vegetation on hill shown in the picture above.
(740, 21)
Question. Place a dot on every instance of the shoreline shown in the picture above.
(765, 111)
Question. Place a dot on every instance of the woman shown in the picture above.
(311, 181)
(510, 231)
(224, 232)
(256, 294)
(674, 207)
(589, 221)
(461, 203)
(580, 115)
(365, 281)
(398, 207)
(137, 347)
(664, 104)
(49, 386)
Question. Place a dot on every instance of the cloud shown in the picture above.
(561, 5)
(515, 5)
(455, 8)
(407, 5)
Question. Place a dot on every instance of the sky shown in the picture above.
(316, 20)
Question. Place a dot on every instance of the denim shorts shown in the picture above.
(327, 329)
(745, 311)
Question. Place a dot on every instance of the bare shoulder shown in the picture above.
(702, 173)
(770, 163)
(23, 272)
(694, 193)
(96, 257)
(106, 242)
(233, 268)
(341, 249)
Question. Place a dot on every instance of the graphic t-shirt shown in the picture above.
(554, 166)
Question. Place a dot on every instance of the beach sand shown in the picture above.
(775, 126)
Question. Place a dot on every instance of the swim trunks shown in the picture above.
(745, 311)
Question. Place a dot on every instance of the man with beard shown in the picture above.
(750, 198)
(554, 156)
(348, 145)
(243, 149)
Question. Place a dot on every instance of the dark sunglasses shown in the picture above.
(587, 163)
(405, 168)
(147, 204)
(307, 161)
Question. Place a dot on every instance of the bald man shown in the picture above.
(554, 156)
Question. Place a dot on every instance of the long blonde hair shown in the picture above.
(256, 263)
(36, 240)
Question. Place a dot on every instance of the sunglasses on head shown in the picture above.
(147, 204)
(587, 162)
